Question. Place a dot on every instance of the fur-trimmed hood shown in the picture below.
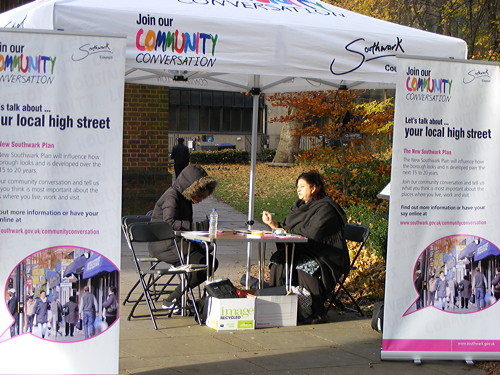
(192, 180)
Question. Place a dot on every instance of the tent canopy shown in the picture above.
(254, 46)
(290, 45)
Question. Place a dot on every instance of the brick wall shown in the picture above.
(145, 147)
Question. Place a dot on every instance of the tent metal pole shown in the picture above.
(255, 91)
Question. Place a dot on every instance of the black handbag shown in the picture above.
(79, 324)
(473, 298)
(222, 288)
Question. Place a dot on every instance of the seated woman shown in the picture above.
(175, 207)
(321, 261)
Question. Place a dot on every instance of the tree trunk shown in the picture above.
(289, 144)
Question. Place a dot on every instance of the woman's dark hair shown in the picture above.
(313, 178)
(72, 299)
(112, 289)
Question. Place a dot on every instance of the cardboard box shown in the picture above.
(276, 311)
(231, 313)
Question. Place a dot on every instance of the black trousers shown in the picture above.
(195, 278)
(312, 283)
(110, 319)
(464, 302)
(69, 329)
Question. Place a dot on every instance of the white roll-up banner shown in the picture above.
(61, 126)
(444, 241)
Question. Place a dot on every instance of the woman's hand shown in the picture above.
(267, 219)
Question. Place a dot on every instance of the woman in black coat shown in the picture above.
(175, 207)
(321, 261)
(71, 316)
(110, 306)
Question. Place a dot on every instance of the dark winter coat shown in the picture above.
(41, 310)
(467, 289)
(174, 208)
(180, 154)
(72, 316)
(441, 288)
(496, 283)
(110, 301)
(12, 304)
(322, 222)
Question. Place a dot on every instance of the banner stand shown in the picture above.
(61, 120)
(443, 219)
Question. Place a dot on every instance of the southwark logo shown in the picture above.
(422, 85)
(360, 51)
(102, 51)
(17, 66)
(157, 46)
(477, 75)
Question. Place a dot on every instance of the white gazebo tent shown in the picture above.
(255, 46)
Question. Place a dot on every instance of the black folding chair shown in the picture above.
(353, 233)
(142, 256)
(149, 276)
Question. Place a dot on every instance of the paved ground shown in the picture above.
(347, 345)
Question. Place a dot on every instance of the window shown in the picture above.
(211, 111)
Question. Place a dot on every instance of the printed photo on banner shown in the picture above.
(444, 275)
(55, 288)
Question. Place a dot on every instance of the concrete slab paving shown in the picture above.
(347, 345)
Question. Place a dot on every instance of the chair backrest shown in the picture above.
(130, 219)
(150, 231)
(356, 232)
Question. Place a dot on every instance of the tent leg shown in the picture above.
(253, 162)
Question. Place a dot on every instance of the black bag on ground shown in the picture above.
(202, 307)
(222, 288)
(378, 316)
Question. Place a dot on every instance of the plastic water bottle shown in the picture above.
(213, 220)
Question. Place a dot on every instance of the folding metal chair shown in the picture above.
(142, 256)
(354, 233)
(145, 232)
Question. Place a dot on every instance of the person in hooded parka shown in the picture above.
(175, 207)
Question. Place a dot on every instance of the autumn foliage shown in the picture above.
(352, 140)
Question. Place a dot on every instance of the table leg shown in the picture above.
(259, 254)
(213, 260)
(289, 267)
(262, 264)
(210, 270)
(249, 255)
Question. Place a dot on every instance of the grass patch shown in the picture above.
(274, 187)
